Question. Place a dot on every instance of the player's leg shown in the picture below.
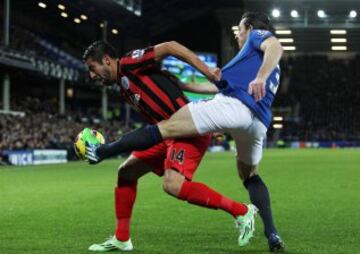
(200, 194)
(221, 113)
(260, 197)
(249, 146)
(170, 128)
(184, 156)
(125, 194)
(218, 114)
(144, 138)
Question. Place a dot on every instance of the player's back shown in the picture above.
(151, 91)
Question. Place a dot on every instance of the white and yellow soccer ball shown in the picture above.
(87, 135)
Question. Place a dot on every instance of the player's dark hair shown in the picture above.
(97, 50)
(258, 20)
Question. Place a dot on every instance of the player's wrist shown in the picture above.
(261, 77)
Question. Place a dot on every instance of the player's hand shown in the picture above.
(214, 74)
(257, 88)
(90, 153)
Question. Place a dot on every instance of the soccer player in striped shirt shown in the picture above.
(157, 96)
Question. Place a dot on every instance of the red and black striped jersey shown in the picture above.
(151, 91)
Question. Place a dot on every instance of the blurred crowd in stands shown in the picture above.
(43, 127)
(323, 95)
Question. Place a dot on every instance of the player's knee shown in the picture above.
(167, 129)
(122, 176)
(172, 182)
(121, 170)
(246, 171)
(126, 173)
(171, 186)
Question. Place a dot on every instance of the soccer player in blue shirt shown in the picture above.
(246, 91)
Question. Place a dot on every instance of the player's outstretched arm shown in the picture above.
(178, 50)
(203, 88)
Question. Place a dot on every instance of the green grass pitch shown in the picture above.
(65, 208)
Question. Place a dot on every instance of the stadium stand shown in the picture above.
(322, 93)
(43, 128)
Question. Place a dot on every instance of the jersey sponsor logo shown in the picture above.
(137, 54)
(125, 84)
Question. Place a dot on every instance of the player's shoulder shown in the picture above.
(139, 53)
(260, 33)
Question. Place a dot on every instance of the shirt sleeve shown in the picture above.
(138, 59)
(258, 36)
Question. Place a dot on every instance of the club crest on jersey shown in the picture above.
(137, 54)
(125, 84)
(135, 98)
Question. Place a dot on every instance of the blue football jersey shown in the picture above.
(243, 68)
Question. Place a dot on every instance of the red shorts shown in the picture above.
(183, 155)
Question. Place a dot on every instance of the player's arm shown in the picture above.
(203, 88)
(272, 53)
(173, 48)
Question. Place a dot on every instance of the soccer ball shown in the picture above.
(89, 135)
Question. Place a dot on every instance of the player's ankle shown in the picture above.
(122, 238)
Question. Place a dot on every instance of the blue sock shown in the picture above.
(260, 197)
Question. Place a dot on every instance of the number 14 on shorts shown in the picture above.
(177, 155)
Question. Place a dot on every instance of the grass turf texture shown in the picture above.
(66, 208)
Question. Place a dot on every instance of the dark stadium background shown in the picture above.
(316, 102)
(46, 99)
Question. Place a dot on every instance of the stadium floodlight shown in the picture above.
(283, 31)
(275, 13)
(83, 17)
(64, 15)
(289, 48)
(321, 14)
(338, 40)
(42, 5)
(352, 14)
(286, 40)
(137, 12)
(294, 14)
(339, 48)
(234, 28)
(61, 7)
(114, 31)
(278, 118)
(77, 20)
(70, 92)
(338, 31)
(101, 25)
(278, 126)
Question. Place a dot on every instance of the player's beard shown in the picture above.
(107, 81)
